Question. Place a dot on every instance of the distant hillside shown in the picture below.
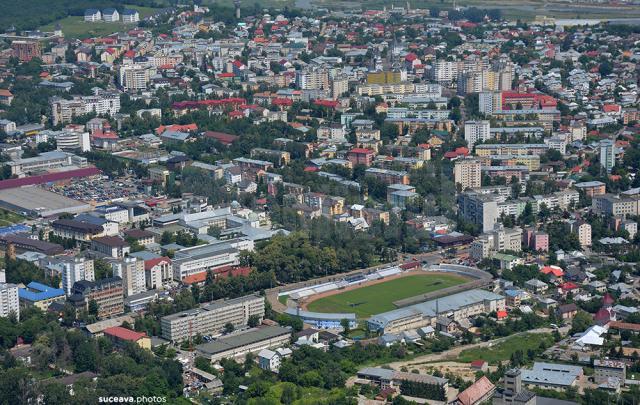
(30, 14)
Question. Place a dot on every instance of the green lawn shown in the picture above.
(374, 299)
(503, 350)
(9, 218)
(283, 299)
(75, 27)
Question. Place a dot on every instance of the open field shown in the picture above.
(75, 27)
(377, 298)
(8, 218)
(502, 351)
(526, 9)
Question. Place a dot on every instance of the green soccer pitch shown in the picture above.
(377, 298)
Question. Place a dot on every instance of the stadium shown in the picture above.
(368, 295)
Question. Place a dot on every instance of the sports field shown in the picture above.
(377, 298)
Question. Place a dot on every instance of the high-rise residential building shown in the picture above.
(607, 154)
(158, 271)
(210, 319)
(312, 79)
(9, 300)
(386, 77)
(131, 271)
(26, 50)
(496, 240)
(479, 209)
(467, 173)
(106, 292)
(582, 229)
(103, 103)
(134, 77)
(445, 71)
(72, 269)
(489, 101)
(339, 86)
(475, 131)
(479, 78)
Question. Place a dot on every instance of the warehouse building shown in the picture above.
(239, 345)
(38, 202)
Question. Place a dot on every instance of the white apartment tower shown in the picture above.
(475, 131)
(74, 269)
(9, 301)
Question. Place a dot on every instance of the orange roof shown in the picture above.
(555, 270)
(501, 314)
(195, 278)
(176, 127)
(476, 392)
(124, 333)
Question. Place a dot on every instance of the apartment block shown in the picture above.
(613, 205)
(467, 173)
(475, 131)
(104, 103)
(131, 271)
(479, 209)
(9, 300)
(210, 319)
(106, 292)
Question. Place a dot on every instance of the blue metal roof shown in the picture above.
(8, 230)
(37, 292)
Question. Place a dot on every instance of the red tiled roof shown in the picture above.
(195, 278)
(124, 333)
(176, 127)
(361, 151)
(476, 391)
(222, 137)
(569, 286)
(555, 270)
(48, 178)
(149, 264)
(326, 103)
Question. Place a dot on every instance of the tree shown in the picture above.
(228, 327)
(289, 394)
(581, 322)
(253, 321)
(85, 357)
(346, 327)
(93, 308)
